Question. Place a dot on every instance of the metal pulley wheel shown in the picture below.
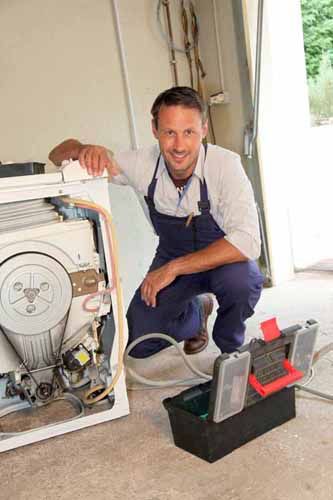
(35, 293)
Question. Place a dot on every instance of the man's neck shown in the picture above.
(179, 181)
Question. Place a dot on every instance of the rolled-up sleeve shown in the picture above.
(128, 163)
(237, 209)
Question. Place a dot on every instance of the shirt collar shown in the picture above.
(198, 171)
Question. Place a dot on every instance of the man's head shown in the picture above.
(179, 124)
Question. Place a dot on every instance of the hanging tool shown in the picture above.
(173, 61)
(187, 43)
(198, 64)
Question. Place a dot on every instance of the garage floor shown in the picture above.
(135, 458)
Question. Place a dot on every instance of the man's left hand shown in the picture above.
(156, 281)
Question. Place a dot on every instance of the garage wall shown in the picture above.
(61, 77)
(229, 119)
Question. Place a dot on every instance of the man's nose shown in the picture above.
(179, 143)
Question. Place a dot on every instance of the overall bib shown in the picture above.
(237, 286)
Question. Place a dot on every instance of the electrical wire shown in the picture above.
(58, 356)
(102, 392)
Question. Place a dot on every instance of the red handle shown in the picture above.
(265, 390)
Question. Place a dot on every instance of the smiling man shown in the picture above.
(202, 208)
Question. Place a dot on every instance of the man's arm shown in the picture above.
(216, 254)
(92, 157)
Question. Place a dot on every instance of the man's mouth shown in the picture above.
(178, 156)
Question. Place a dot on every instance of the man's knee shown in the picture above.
(242, 281)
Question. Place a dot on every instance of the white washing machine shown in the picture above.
(62, 324)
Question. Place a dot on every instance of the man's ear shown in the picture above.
(154, 129)
(205, 129)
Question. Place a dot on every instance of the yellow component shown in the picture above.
(83, 357)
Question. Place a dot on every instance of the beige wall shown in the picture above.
(61, 77)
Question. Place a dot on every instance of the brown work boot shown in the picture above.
(200, 341)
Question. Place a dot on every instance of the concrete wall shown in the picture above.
(61, 77)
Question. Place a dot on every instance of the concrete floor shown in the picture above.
(134, 457)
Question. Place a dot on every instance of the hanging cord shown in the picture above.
(170, 43)
(173, 61)
(195, 36)
(187, 43)
(158, 384)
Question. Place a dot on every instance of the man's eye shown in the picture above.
(169, 133)
(188, 132)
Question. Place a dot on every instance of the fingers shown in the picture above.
(82, 158)
(94, 159)
(148, 293)
(154, 282)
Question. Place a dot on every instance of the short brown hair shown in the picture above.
(179, 96)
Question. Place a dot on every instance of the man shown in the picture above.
(201, 206)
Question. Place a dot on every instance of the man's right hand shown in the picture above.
(92, 157)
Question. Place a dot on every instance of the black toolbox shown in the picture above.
(250, 393)
(209, 440)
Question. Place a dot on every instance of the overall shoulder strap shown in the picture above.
(204, 204)
(152, 186)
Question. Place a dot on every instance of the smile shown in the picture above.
(178, 156)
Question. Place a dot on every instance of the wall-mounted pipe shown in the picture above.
(251, 130)
(123, 61)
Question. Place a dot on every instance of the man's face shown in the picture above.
(179, 133)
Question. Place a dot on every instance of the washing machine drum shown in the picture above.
(35, 293)
(35, 298)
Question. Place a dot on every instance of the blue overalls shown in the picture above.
(237, 287)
